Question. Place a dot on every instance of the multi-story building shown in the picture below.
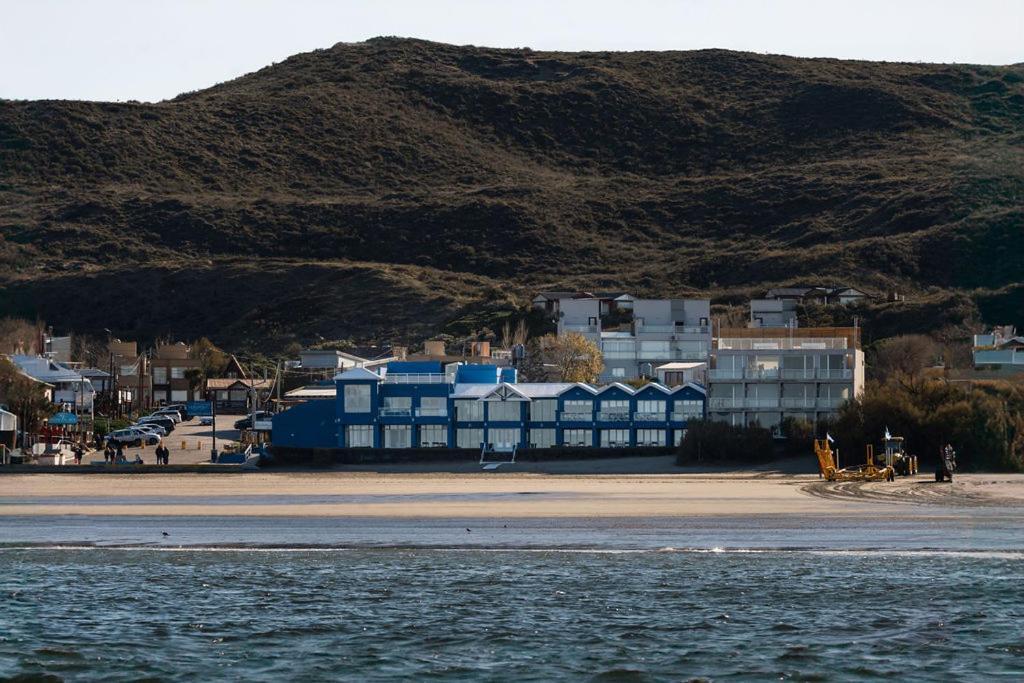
(762, 375)
(169, 371)
(70, 389)
(1000, 350)
(429, 405)
(637, 335)
(130, 373)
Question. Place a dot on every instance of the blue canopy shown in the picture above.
(64, 419)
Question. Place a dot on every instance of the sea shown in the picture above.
(313, 599)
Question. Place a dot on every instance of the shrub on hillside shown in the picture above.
(718, 442)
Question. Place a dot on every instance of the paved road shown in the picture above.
(188, 444)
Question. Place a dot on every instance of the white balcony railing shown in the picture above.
(835, 374)
(395, 412)
(579, 327)
(799, 402)
(761, 373)
(723, 373)
(613, 416)
(781, 343)
(684, 417)
(415, 378)
(566, 416)
(431, 412)
(648, 417)
(798, 373)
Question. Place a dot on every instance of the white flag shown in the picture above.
(887, 434)
(828, 437)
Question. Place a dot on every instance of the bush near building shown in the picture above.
(984, 421)
(708, 442)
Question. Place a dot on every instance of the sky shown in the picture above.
(150, 50)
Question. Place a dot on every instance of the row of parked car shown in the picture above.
(152, 428)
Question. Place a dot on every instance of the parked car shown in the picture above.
(246, 422)
(173, 414)
(182, 410)
(162, 420)
(132, 437)
(150, 427)
(206, 420)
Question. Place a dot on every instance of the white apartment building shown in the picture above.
(762, 375)
(638, 335)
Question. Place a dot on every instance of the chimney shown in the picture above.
(481, 349)
(433, 348)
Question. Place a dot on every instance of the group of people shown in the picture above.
(114, 455)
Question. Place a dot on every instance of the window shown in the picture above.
(655, 349)
(469, 438)
(680, 435)
(359, 436)
(469, 411)
(159, 375)
(614, 410)
(357, 398)
(433, 406)
(222, 395)
(542, 438)
(434, 436)
(179, 396)
(543, 410)
(578, 410)
(614, 438)
(650, 407)
(507, 411)
(397, 436)
(503, 437)
(177, 373)
(690, 409)
(577, 437)
(618, 372)
(618, 349)
(396, 405)
(650, 437)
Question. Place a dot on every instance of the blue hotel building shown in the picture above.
(425, 405)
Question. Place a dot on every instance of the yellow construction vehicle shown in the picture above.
(869, 471)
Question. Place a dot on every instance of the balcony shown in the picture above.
(781, 343)
(686, 417)
(395, 412)
(806, 403)
(720, 374)
(566, 416)
(613, 416)
(414, 378)
(582, 328)
(799, 374)
(835, 374)
(431, 412)
(761, 373)
(648, 417)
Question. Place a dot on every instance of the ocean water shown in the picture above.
(118, 609)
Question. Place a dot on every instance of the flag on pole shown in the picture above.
(887, 434)
(828, 437)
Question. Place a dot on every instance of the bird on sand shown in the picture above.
(166, 534)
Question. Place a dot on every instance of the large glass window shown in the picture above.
(650, 407)
(650, 437)
(614, 438)
(542, 438)
(578, 410)
(357, 398)
(614, 410)
(433, 436)
(618, 349)
(397, 436)
(689, 409)
(433, 406)
(177, 373)
(543, 410)
(396, 405)
(469, 438)
(503, 411)
(655, 349)
(359, 436)
(577, 437)
(159, 375)
(469, 411)
(503, 437)
(179, 396)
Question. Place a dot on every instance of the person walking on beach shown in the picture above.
(162, 454)
(119, 454)
(78, 454)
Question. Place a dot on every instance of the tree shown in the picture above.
(211, 359)
(18, 336)
(23, 396)
(904, 357)
(573, 357)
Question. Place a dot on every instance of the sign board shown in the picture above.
(199, 408)
(263, 425)
(64, 419)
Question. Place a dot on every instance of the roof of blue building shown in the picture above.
(415, 367)
(361, 374)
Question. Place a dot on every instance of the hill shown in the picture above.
(384, 189)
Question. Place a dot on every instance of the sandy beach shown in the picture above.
(494, 495)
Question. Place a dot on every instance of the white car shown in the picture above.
(132, 437)
(206, 420)
(172, 414)
(151, 427)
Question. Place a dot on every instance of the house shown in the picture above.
(425, 404)
(773, 313)
(636, 335)
(678, 373)
(100, 379)
(130, 373)
(69, 388)
(763, 375)
(1001, 350)
(234, 395)
(816, 295)
(550, 302)
(174, 375)
(8, 432)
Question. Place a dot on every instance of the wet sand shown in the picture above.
(497, 495)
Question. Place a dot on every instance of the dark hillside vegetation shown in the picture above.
(384, 188)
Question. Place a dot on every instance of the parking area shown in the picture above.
(189, 443)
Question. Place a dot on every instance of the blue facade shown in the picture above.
(420, 405)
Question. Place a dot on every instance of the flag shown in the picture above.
(887, 434)
(828, 437)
